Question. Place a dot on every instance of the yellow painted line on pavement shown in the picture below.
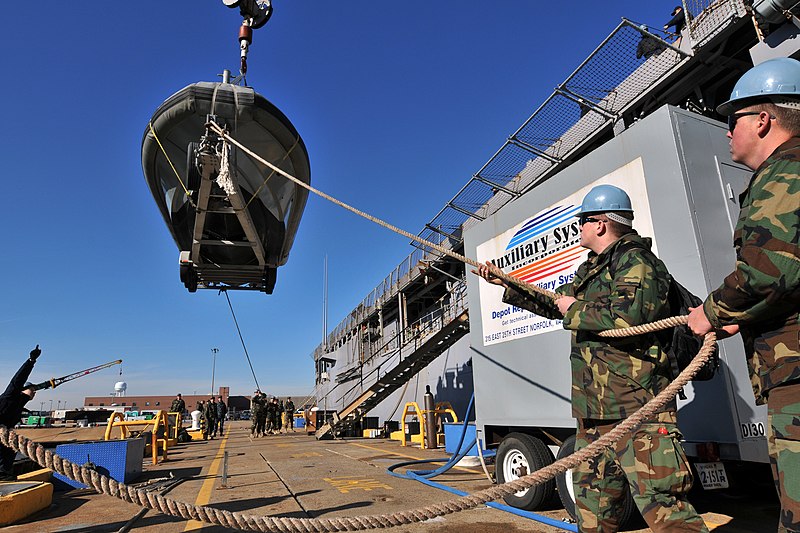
(204, 496)
(407, 456)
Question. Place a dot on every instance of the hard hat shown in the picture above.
(776, 77)
(605, 198)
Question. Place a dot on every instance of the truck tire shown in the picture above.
(518, 455)
(566, 492)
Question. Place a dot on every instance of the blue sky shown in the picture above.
(398, 104)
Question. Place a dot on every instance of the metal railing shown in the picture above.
(591, 100)
(403, 344)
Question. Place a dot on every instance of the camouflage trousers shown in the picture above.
(651, 462)
(783, 437)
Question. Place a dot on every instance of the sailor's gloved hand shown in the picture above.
(35, 353)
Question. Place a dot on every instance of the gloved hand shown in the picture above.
(35, 353)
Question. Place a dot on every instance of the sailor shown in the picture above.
(210, 413)
(269, 416)
(762, 294)
(222, 410)
(620, 284)
(12, 402)
(178, 405)
(278, 407)
(678, 20)
(289, 415)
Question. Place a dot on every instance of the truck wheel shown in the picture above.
(566, 492)
(518, 455)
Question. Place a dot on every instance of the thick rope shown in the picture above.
(532, 289)
(245, 522)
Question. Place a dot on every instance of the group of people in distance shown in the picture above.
(270, 415)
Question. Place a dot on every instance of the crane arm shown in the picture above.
(52, 383)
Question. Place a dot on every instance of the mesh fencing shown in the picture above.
(623, 68)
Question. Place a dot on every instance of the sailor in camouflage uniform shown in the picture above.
(762, 294)
(621, 284)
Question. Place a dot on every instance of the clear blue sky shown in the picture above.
(398, 104)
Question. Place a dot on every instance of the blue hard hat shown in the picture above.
(776, 77)
(605, 198)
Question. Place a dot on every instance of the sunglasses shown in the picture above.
(583, 219)
(736, 116)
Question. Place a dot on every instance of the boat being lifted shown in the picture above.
(234, 219)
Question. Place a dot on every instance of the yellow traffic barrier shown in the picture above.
(412, 409)
(160, 423)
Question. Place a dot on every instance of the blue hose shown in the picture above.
(423, 476)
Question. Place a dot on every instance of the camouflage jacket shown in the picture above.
(612, 378)
(762, 294)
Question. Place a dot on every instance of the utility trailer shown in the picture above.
(676, 167)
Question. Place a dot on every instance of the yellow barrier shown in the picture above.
(161, 421)
(412, 409)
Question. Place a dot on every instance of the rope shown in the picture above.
(285, 157)
(246, 522)
(163, 151)
(531, 289)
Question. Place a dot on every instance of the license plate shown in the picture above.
(712, 475)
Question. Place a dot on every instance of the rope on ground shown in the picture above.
(245, 522)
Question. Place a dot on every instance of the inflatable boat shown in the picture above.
(231, 235)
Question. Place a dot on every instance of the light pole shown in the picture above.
(59, 405)
(213, 367)
(41, 408)
(51, 407)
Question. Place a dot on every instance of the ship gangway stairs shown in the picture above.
(453, 328)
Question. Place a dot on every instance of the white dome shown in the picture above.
(120, 386)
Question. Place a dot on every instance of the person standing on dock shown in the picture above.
(211, 417)
(621, 283)
(12, 402)
(222, 410)
(256, 407)
(178, 405)
(289, 415)
(762, 294)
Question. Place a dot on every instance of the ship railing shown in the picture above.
(403, 344)
(581, 109)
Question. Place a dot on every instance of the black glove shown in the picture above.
(35, 353)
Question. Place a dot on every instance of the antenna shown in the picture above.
(325, 303)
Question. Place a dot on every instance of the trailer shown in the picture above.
(676, 167)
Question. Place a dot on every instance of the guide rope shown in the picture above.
(246, 522)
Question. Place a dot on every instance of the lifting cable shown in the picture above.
(164, 151)
(246, 522)
(242, 340)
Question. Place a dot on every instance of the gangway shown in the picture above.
(454, 326)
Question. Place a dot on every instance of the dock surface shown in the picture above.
(294, 475)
